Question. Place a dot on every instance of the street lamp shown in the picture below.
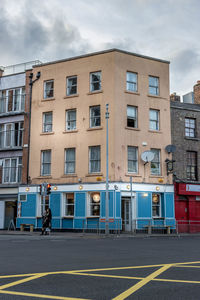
(107, 198)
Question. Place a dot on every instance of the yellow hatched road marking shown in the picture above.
(109, 276)
(141, 283)
(185, 266)
(5, 286)
(40, 296)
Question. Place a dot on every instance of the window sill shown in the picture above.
(155, 131)
(92, 217)
(95, 92)
(70, 131)
(95, 128)
(68, 217)
(94, 174)
(71, 96)
(191, 138)
(47, 133)
(132, 128)
(156, 176)
(133, 175)
(131, 92)
(48, 99)
(69, 175)
(43, 177)
(154, 96)
(159, 218)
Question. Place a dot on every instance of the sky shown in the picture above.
(49, 30)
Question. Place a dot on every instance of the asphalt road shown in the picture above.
(89, 267)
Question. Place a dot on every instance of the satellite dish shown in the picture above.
(170, 148)
(147, 156)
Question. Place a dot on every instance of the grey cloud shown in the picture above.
(185, 60)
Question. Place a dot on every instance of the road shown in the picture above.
(90, 267)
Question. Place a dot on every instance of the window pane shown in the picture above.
(47, 122)
(94, 159)
(71, 85)
(70, 160)
(95, 81)
(132, 159)
(48, 89)
(153, 85)
(131, 81)
(155, 163)
(95, 117)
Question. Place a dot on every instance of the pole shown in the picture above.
(131, 206)
(107, 198)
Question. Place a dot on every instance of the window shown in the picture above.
(12, 170)
(131, 81)
(191, 165)
(95, 116)
(70, 159)
(156, 206)
(95, 81)
(153, 85)
(155, 163)
(69, 204)
(94, 204)
(12, 100)
(71, 85)
(48, 89)
(44, 204)
(46, 163)
(190, 127)
(94, 159)
(71, 119)
(22, 197)
(47, 122)
(132, 159)
(131, 116)
(11, 135)
(154, 119)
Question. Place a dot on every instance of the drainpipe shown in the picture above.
(31, 82)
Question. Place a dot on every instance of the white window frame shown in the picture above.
(69, 92)
(91, 203)
(154, 161)
(42, 163)
(135, 161)
(156, 205)
(95, 119)
(190, 129)
(45, 89)
(70, 161)
(94, 82)
(154, 88)
(66, 205)
(154, 121)
(133, 83)
(70, 123)
(132, 118)
(46, 124)
(91, 160)
(8, 172)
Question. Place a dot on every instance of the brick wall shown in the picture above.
(197, 92)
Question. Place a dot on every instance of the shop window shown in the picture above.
(156, 205)
(69, 204)
(94, 200)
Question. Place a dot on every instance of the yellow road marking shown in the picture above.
(40, 296)
(109, 276)
(5, 286)
(141, 283)
(174, 280)
(180, 266)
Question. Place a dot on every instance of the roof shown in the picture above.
(100, 53)
(185, 106)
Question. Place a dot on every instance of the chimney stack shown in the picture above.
(175, 98)
(197, 92)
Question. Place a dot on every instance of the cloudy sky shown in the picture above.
(54, 29)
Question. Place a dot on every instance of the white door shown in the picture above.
(2, 214)
(126, 214)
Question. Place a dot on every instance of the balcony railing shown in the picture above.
(10, 104)
(11, 139)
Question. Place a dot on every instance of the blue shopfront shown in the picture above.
(83, 207)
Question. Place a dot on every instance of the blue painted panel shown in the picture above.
(79, 223)
(67, 223)
(111, 205)
(103, 205)
(143, 223)
(169, 201)
(39, 222)
(55, 223)
(28, 208)
(162, 205)
(93, 223)
(80, 199)
(118, 205)
(55, 204)
(144, 205)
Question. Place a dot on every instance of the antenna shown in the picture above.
(147, 156)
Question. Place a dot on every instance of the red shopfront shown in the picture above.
(187, 207)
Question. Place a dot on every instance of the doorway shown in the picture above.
(126, 214)
(10, 213)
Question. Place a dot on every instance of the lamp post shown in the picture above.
(107, 198)
(31, 82)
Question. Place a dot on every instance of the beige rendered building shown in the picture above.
(68, 137)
